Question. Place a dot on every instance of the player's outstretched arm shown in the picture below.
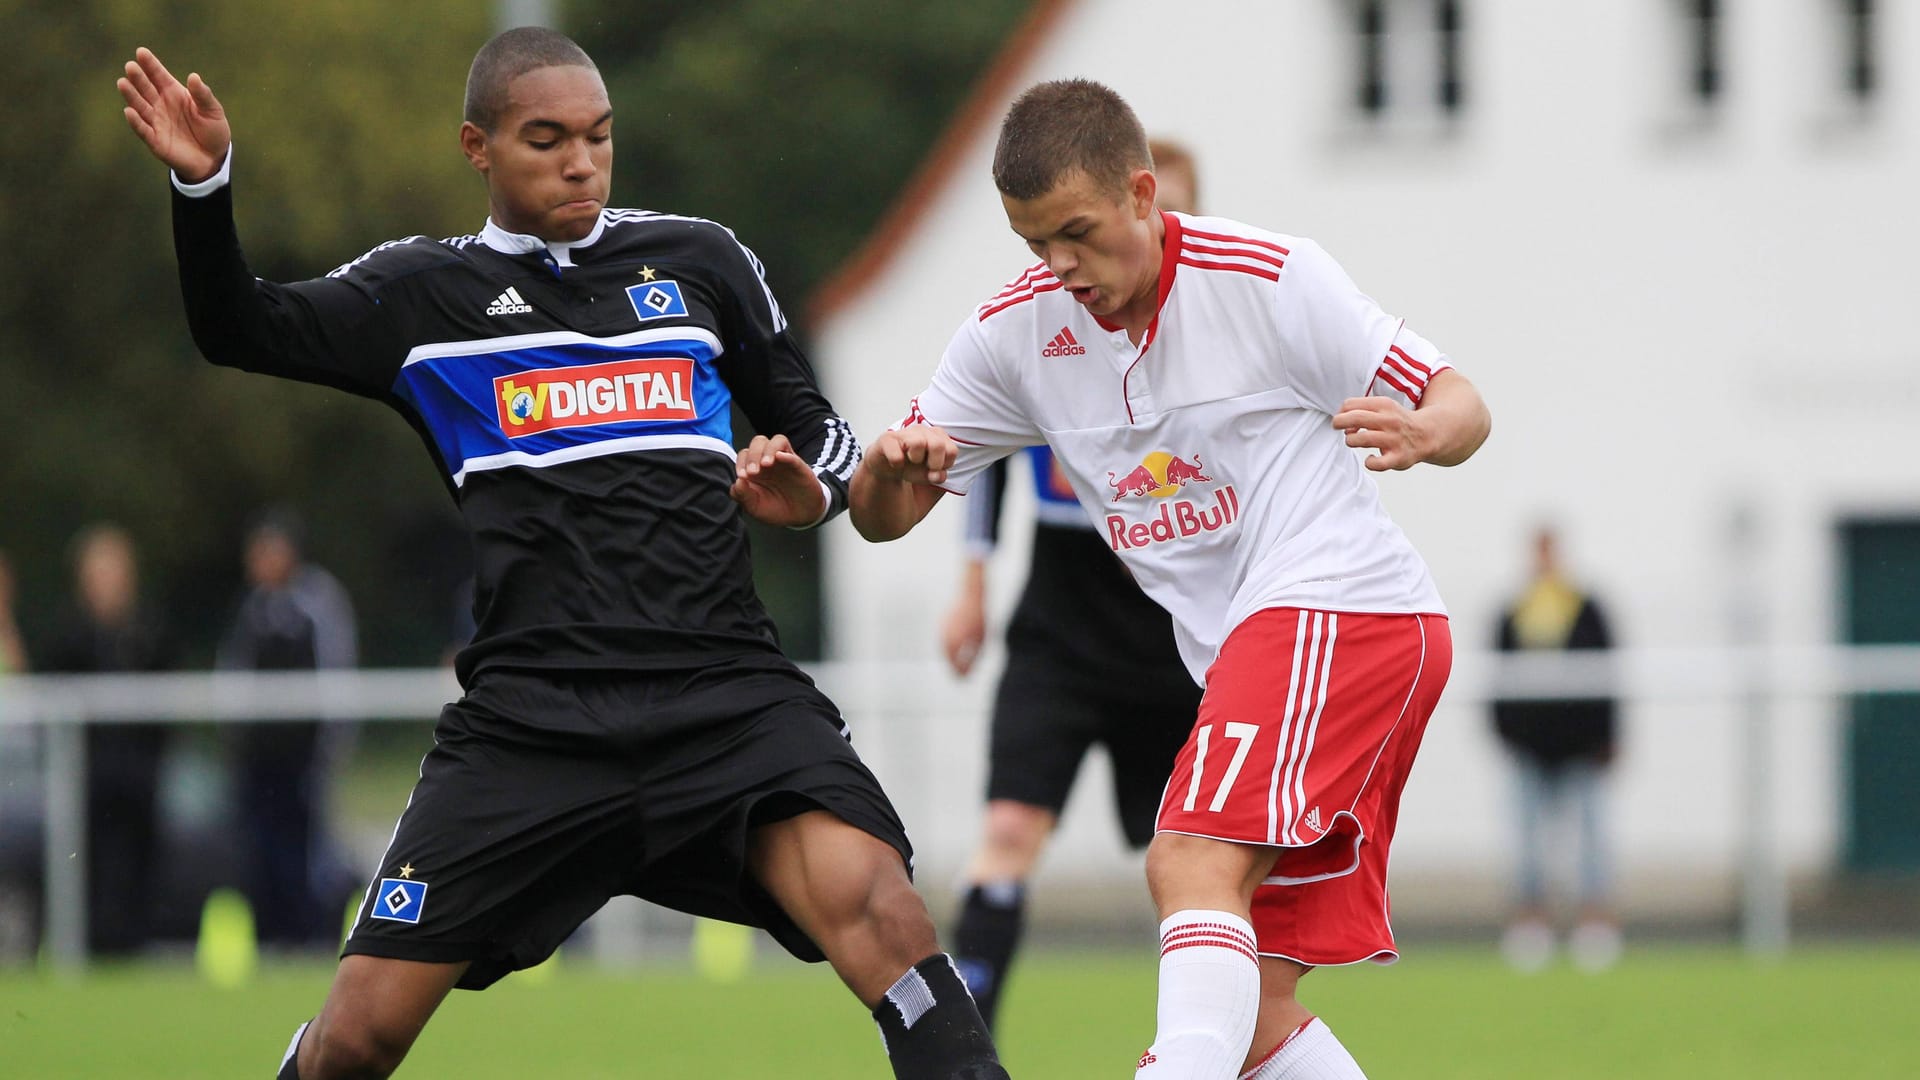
(181, 123)
(894, 487)
(1446, 428)
(774, 486)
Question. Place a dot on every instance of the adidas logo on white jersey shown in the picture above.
(509, 303)
(1063, 344)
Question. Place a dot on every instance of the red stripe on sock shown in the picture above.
(1275, 1052)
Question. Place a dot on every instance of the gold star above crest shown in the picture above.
(646, 273)
(407, 871)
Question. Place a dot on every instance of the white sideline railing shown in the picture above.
(1755, 677)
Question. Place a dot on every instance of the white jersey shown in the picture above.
(1206, 455)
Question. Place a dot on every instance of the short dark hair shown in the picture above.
(1056, 127)
(508, 56)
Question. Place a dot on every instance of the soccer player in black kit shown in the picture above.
(629, 724)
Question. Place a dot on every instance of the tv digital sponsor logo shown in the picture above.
(544, 399)
(1161, 476)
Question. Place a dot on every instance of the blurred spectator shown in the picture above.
(19, 907)
(294, 617)
(13, 655)
(108, 631)
(1561, 751)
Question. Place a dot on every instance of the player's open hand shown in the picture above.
(964, 631)
(774, 486)
(1385, 425)
(182, 123)
(916, 454)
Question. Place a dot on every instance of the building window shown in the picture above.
(1447, 23)
(1860, 76)
(1372, 16)
(1408, 58)
(1704, 77)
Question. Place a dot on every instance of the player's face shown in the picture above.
(1099, 242)
(549, 160)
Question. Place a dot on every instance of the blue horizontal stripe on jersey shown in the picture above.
(595, 391)
(1057, 503)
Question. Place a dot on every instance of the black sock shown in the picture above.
(290, 1066)
(931, 1029)
(983, 942)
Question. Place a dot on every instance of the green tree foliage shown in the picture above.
(793, 121)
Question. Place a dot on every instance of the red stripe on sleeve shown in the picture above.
(1238, 240)
(1387, 374)
(1259, 272)
(1211, 249)
(1424, 371)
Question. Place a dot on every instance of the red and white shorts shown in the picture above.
(1304, 741)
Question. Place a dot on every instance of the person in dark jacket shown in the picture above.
(294, 617)
(109, 631)
(1561, 751)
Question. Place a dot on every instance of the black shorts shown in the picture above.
(1044, 723)
(546, 794)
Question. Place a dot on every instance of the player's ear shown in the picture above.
(473, 143)
(1141, 189)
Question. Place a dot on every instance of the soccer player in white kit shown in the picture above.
(1207, 426)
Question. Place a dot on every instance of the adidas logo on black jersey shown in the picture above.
(509, 303)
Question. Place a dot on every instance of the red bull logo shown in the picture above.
(1177, 520)
(543, 399)
(1159, 476)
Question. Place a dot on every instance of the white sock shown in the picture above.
(1311, 1053)
(1209, 997)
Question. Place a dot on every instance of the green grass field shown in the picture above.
(1441, 1013)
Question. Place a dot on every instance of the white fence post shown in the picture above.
(65, 847)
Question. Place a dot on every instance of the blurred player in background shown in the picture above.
(1209, 430)
(1561, 752)
(1090, 660)
(629, 723)
(295, 616)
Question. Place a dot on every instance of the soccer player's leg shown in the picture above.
(1324, 901)
(993, 911)
(1309, 724)
(373, 1013)
(849, 892)
(507, 844)
(1040, 733)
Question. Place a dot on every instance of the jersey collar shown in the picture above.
(1169, 260)
(560, 253)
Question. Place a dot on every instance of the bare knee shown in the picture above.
(1199, 872)
(343, 1049)
(835, 881)
(886, 906)
(1012, 841)
(375, 1010)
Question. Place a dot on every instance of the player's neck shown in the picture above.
(1140, 311)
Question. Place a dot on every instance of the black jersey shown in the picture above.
(1082, 620)
(577, 397)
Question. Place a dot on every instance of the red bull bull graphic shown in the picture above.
(1159, 476)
